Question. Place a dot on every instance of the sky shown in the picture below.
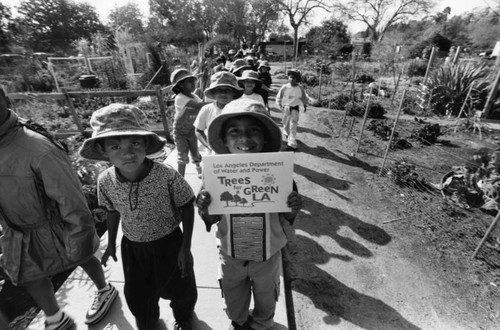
(104, 7)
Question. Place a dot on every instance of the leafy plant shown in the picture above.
(416, 68)
(450, 84)
(427, 134)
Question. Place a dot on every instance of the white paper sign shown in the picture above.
(248, 183)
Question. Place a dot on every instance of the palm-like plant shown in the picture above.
(449, 86)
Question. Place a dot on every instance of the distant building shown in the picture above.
(278, 46)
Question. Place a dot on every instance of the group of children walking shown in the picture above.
(151, 201)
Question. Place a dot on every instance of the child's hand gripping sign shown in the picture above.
(248, 183)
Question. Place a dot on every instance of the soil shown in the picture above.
(366, 253)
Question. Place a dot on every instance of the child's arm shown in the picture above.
(202, 137)
(279, 96)
(185, 259)
(196, 105)
(203, 201)
(112, 222)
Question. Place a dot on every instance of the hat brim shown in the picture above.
(209, 92)
(90, 149)
(183, 78)
(243, 67)
(273, 144)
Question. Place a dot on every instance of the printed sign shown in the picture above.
(248, 183)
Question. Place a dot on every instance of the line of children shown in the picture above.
(150, 200)
(291, 98)
(246, 127)
(187, 107)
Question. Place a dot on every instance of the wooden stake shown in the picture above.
(159, 96)
(463, 106)
(364, 120)
(490, 229)
(392, 132)
(73, 110)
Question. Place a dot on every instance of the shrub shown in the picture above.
(427, 134)
(376, 110)
(338, 101)
(416, 68)
(364, 78)
(451, 83)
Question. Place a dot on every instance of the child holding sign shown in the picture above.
(251, 267)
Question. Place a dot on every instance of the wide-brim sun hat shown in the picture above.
(249, 75)
(119, 120)
(238, 65)
(244, 107)
(231, 52)
(223, 79)
(179, 75)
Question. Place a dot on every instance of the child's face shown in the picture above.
(127, 153)
(249, 86)
(264, 69)
(244, 134)
(223, 95)
(188, 85)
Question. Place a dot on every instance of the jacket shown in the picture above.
(47, 225)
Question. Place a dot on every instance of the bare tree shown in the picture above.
(297, 12)
(379, 15)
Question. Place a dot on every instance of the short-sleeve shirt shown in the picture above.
(207, 113)
(148, 208)
(254, 97)
(184, 115)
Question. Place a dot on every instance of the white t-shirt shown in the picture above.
(207, 113)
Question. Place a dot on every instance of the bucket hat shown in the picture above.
(249, 75)
(179, 75)
(231, 52)
(119, 120)
(223, 79)
(238, 65)
(264, 64)
(244, 107)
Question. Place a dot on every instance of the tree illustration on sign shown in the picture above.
(236, 199)
(243, 201)
(227, 197)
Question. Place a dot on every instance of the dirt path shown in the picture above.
(348, 270)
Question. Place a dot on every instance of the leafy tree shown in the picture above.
(236, 199)
(330, 37)
(379, 15)
(297, 12)
(128, 16)
(51, 25)
(243, 201)
(5, 28)
(484, 29)
(177, 20)
(226, 197)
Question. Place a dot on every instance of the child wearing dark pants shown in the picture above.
(150, 200)
(143, 292)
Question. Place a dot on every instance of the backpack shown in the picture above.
(35, 127)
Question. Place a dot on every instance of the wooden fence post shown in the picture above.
(73, 110)
(320, 81)
(392, 132)
(163, 113)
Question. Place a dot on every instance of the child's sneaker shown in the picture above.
(64, 323)
(100, 306)
(199, 170)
